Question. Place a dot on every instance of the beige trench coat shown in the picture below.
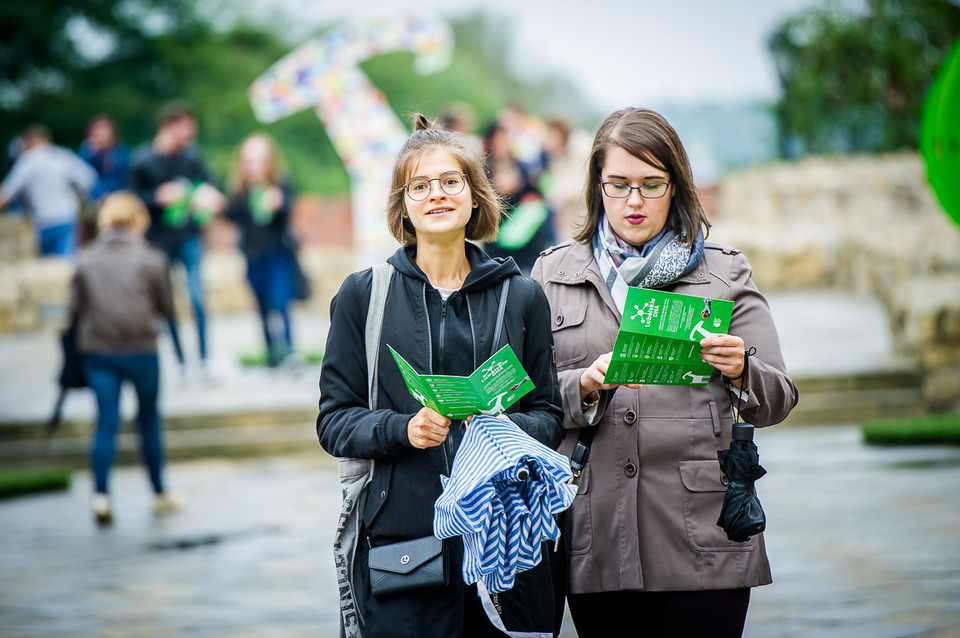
(645, 516)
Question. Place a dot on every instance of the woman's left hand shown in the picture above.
(726, 354)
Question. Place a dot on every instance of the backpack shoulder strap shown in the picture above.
(498, 329)
(382, 274)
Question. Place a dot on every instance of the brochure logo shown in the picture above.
(646, 314)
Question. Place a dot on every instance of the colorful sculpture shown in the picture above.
(324, 74)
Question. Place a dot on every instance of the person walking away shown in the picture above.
(119, 294)
(439, 315)
(643, 545)
(172, 180)
(50, 181)
(261, 197)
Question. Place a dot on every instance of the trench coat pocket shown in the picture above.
(569, 333)
(579, 528)
(703, 488)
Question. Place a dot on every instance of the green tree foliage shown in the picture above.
(856, 82)
(62, 62)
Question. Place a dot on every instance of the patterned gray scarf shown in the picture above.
(663, 259)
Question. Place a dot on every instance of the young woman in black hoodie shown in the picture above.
(439, 315)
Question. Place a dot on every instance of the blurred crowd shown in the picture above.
(536, 165)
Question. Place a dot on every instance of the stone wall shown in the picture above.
(864, 224)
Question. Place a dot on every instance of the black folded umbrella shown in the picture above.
(741, 515)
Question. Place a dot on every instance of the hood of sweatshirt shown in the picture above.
(485, 271)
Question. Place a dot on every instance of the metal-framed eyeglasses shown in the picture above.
(451, 183)
(621, 190)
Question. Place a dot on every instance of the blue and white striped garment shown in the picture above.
(501, 496)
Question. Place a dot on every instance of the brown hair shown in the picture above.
(278, 165)
(647, 136)
(176, 111)
(426, 136)
(124, 209)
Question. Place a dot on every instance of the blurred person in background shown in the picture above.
(103, 149)
(261, 198)
(50, 182)
(528, 224)
(119, 295)
(172, 180)
(565, 153)
(461, 118)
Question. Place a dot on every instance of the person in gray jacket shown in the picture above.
(643, 545)
(120, 292)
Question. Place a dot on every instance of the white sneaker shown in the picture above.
(167, 503)
(102, 512)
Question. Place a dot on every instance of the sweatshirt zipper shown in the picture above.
(443, 316)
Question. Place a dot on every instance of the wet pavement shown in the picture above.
(864, 542)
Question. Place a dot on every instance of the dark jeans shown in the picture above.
(58, 240)
(717, 613)
(271, 278)
(190, 254)
(105, 374)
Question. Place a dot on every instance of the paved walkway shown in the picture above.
(821, 333)
(864, 543)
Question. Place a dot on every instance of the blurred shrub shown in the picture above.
(856, 82)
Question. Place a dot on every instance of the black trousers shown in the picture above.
(671, 614)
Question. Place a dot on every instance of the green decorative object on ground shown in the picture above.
(20, 482)
(255, 359)
(934, 429)
(940, 134)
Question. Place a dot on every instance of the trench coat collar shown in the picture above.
(578, 267)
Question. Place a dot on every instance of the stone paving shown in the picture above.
(864, 542)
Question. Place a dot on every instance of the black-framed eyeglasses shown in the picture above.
(621, 190)
(451, 183)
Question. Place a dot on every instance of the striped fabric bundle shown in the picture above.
(500, 497)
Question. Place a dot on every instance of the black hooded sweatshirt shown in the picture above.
(436, 337)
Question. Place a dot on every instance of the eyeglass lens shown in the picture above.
(451, 183)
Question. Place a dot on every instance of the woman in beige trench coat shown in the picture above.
(644, 548)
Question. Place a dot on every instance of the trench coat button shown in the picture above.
(630, 469)
(724, 480)
(559, 272)
(630, 417)
(559, 320)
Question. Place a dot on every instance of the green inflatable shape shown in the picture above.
(940, 134)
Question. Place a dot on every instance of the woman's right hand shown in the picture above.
(427, 428)
(591, 379)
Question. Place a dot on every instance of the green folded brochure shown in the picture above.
(659, 338)
(492, 388)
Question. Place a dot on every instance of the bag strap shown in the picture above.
(581, 451)
(746, 379)
(498, 329)
(382, 274)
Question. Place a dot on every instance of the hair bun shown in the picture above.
(421, 123)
